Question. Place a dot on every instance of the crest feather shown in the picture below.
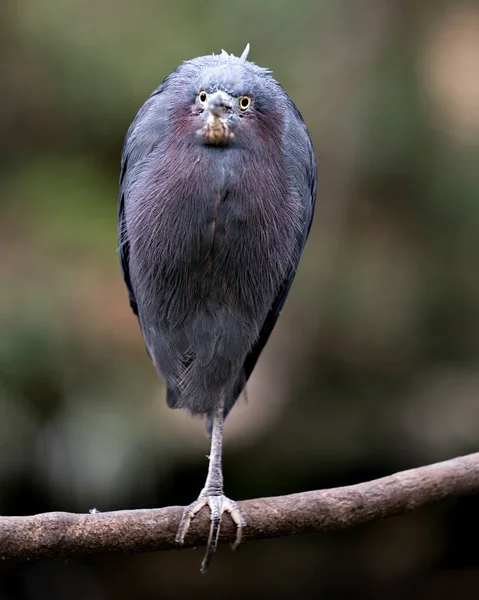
(242, 58)
(244, 54)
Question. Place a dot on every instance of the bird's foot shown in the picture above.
(218, 505)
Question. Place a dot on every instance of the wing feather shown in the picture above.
(144, 133)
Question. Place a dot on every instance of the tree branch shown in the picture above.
(66, 534)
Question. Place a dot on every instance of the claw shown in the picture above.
(218, 505)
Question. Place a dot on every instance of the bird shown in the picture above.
(218, 185)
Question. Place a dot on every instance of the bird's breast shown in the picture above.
(214, 230)
(210, 256)
(211, 226)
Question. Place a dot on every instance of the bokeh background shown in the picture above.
(374, 365)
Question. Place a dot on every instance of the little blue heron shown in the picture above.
(217, 192)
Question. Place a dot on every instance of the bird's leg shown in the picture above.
(212, 495)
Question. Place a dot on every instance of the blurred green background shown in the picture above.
(373, 366)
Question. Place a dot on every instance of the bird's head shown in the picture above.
(220, 112)
(225, 100)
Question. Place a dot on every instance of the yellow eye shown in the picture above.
(203, 97)
(244, 102)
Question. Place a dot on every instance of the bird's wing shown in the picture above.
(306, 185)
(124, 252)
(143, 135)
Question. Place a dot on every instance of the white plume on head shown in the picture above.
(244, 54)
(242, 58)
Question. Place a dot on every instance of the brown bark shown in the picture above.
(66, 534)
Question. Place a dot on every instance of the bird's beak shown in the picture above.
(220, 104)
(219, 123)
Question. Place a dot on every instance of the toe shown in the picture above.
(188, 514)
(238, 519)
(218, 505)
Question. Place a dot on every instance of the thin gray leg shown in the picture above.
(212, 495)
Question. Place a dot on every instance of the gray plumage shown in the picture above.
(217, 190)
(211, 234)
